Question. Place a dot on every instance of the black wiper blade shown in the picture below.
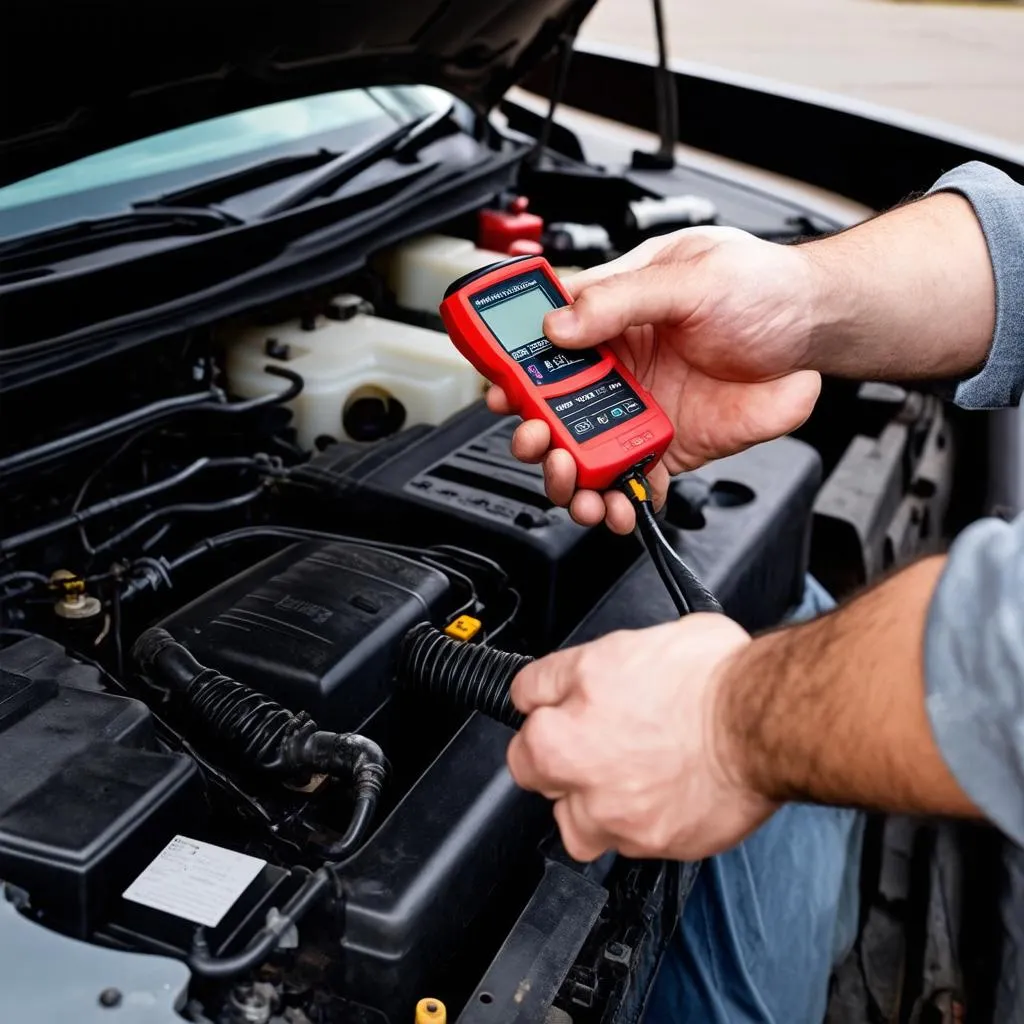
(176, 214)
(333, 174)
(87, 236)
(244, 179)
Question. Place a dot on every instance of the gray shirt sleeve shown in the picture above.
(998, 203)
(974, 669)
(974, 642)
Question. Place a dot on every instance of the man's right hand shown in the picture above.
(717, 324)
(727, 331)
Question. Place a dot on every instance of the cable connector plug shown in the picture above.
(633, 483)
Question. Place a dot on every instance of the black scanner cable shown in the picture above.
(688, 593)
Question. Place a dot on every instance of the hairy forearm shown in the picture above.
(910, 294)
(833, 711)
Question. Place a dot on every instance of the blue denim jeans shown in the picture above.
(766, 921)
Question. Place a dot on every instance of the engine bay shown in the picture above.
(243, 639)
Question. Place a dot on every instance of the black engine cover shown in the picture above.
(316, 626)
(85, 798)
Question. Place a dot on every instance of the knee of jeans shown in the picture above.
(816, 601)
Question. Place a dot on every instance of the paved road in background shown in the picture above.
(961, 63)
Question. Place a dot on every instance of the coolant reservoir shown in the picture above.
(418, 272)
(365, 377)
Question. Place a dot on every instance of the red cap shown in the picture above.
(525, 247)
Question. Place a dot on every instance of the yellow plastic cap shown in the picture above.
(465, 627)
(431, 1011)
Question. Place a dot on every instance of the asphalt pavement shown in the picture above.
(958, 62)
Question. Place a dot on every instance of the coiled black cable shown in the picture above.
(471, 676)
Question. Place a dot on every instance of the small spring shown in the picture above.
(249, 721)
(467, 675)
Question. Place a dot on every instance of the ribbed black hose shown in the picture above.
(250, 724)
(258, 729)
(471, 676)
(270, 737)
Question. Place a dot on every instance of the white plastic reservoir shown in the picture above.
(418, 272)
(365, 377)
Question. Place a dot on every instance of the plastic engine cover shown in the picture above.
(316, 626)
(460, 484)
(85, 800)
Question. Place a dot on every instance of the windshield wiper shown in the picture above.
(244, 179)
(85, 236)
(332, 175)
(164, 218)
(327, 170)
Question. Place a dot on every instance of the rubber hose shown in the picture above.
(276, 740)
(471, 676)
(262, 731)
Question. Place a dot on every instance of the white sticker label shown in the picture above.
(194, 880)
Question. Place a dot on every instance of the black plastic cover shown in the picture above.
(86, 800)
(316, 626)
(425, 896)
(460, 484)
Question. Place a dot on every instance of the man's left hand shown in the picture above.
(626, 734)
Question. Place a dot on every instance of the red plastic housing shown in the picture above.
(601, 460)
(501, 230)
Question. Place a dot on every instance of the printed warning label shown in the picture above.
(194, 880)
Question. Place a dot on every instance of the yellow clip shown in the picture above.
(465, 627)
(431, 1011)
(638, 489)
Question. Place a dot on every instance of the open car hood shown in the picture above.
(80, 78)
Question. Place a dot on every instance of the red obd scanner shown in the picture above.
(592, 404)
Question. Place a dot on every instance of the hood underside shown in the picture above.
(80, 78)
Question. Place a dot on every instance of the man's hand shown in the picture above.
(716, 324)
(625, 735)
(729, 332)
(679, 740)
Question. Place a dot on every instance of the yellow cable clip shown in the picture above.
(465, 627)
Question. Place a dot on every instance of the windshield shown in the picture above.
(334, 120)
